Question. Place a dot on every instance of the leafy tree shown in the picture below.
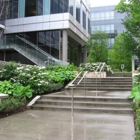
(131, 23)
(120, 54)
(97, 47)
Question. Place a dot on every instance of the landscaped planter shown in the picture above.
(94, 75)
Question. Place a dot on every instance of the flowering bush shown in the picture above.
(8, 70)
(32, 75)
(41, 80)
(91, 67)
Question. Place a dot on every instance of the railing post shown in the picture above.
(96, 83)
(85, 85)
(72, 102)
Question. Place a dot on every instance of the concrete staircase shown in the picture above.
(84, 104)
(106, 84)
(107, 101)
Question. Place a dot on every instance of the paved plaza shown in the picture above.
(59, 125)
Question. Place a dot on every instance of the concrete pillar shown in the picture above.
(85, 56)
(65, 46)
(133, 63)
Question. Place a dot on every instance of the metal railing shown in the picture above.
(31, 51)
(101, 68)
(72, 85)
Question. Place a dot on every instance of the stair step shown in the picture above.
(84, 109)
(94, 85)
(83, 99)
(83, 103)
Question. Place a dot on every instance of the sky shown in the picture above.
(94, 3)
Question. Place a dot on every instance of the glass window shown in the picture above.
(30, 8)
(66, 5)
(39, 7)
(84, 16)
(71, 7)
(89, 29)
(21, 8)
(59, 6)
(112, 15)
(102, 15)
(78, 10)
(46, 7)
(92, 16)
(84, 20)
(13, 12)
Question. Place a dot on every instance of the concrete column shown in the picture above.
(85, 56)
(133, 63)
(65, 46)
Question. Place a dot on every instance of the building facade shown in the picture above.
(104, 18)
(47, 26)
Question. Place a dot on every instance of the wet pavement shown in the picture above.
(59, 125)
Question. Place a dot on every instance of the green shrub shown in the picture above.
(40, 79)
(70, 67)
(8, 70)
(137, 135)
(12, 104)
(16, 89)
(37, 78)
(91, 67)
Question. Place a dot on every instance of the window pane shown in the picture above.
(30, 8)
(46, 7)
(84, 20)
(71, 7)
(13, 12)
(21, 8)
(39, 7)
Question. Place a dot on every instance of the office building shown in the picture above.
(104, 18)
(38, 31)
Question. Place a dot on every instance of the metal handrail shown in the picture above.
(43, 52)
(103, 64)
(97, 68)
(71, 83)
(82, 77)
(99, 72)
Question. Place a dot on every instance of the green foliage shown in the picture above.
(70, 67)
(12, 104)
(8, 70)
(41, 79)
(91, 67)
(131, 23)
(119, 54)
(36, 78)
(32, 76)
(137, 133)
(16, 89)
(97, 47)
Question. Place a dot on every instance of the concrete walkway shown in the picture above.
(59, 125)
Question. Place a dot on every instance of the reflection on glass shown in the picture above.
(30, 8)
(59, 6)
(21, 8)
(13, 9)
(102, 15)
(46, 7)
